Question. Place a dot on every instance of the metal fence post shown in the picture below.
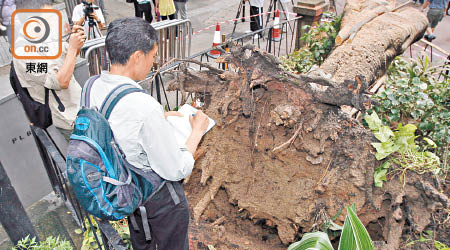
(13, 217)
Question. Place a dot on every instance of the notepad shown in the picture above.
(181, 125)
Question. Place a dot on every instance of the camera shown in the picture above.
(88, 10)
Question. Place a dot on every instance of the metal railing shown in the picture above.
(174, 42)
(55, 165)
(427, 50)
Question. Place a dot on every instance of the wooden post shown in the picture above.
(311, 11)
(13, 217)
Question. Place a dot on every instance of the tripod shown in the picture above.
(93, 29)
(273, 6)
(241, 9)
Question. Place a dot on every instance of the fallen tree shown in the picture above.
(286, 154)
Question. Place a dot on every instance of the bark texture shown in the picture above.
(376, 44)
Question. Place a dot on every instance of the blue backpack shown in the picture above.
(105, 184)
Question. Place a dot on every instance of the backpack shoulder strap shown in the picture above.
(86, 92)
(114, 97)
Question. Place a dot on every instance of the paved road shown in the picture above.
(201, 13)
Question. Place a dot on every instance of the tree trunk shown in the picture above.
(284, 152)
(376, 44)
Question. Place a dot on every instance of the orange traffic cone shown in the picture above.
(216, 41)
(276, 32)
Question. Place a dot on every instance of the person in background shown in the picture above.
(57, 76)
(181, 7)
(256, 22)
(79, 18)
(438, 9)
(143, 7)
(7, 8)
(166, 9)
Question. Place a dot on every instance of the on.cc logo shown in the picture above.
(36, 29)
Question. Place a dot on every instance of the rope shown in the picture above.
(241, 18)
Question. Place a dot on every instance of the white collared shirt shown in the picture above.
(141, 130)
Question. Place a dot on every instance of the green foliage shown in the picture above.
(319, 41)
(354, 236)
(390, 142)
(299, 61)
(331, 228)
(316, 240)
(50, 243)
(401, 148)
(89, 242)
(428, 237)
(380, 174)
(122, 228)
(417, 92)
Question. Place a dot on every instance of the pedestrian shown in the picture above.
(143, 7)
(93, 23)
(438, 9)
(181, 6)
(256, 22)
(146, 138)
(7, 8)
(166, 9)
(57, 76)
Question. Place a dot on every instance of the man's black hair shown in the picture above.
(128, 35)
(32, 4)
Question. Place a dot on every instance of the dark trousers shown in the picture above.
(171, 17)
(143, 9)
(168, 222)
(256, 23)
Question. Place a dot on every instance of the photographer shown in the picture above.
(58, 75)
(89, 16)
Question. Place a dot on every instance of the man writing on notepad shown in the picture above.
(142, 131)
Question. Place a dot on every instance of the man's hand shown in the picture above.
(199, 122)
(77, 38)
(95, 17)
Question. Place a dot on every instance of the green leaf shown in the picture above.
(384, 149)
(430, 142)
(335, 227)
(78, 231)
(373, 121)
(404, 137)
(384, 133)
(354, 236)
(379, 174)
(312, 241)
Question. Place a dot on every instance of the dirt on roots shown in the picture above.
(282, 160)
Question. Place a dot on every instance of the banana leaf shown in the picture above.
(354, 235)
(312, 241)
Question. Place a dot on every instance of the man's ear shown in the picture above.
(136, 57)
